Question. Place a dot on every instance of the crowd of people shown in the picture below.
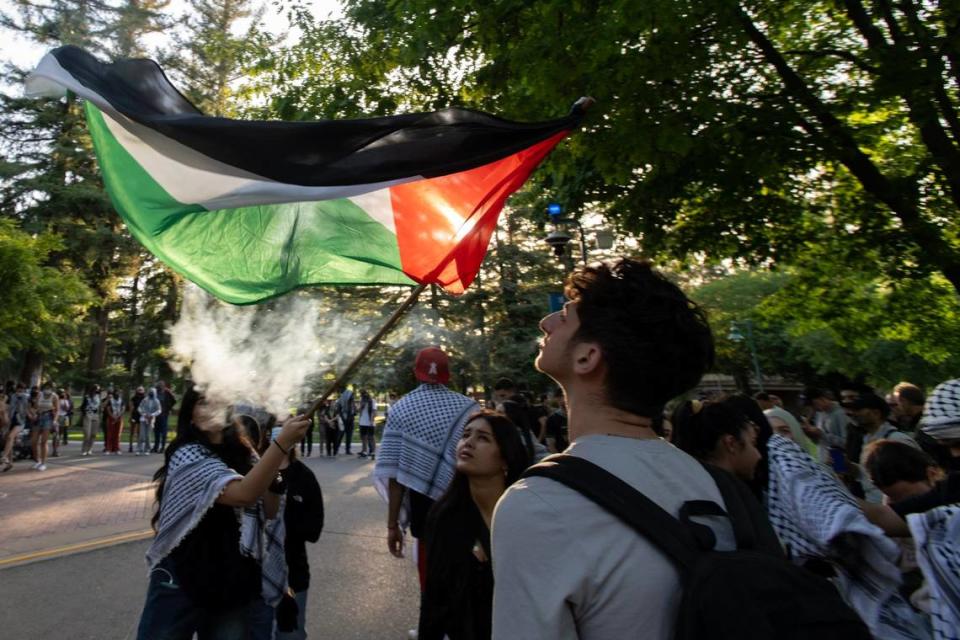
(35, 423)
(722, 516)
(622, 505)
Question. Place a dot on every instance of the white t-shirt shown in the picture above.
(564, 568)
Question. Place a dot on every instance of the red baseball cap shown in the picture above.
(432, 365)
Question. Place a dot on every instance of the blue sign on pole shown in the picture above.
(557, 301)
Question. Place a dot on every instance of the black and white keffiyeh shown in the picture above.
(420, 440)
(273, 566)
(195, 479)
(937, 536)
(815, 517)
(941, 412)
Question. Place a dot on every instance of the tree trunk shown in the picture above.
(171, 312)
(31, 371)
(97, 359)
(130, 348)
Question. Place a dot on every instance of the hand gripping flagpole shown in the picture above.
(374, 341)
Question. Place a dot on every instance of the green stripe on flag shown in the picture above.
(248, 254)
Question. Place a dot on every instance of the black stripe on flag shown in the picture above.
(318, 153)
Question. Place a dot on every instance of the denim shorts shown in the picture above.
(45, 422)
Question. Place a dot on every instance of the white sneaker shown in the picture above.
(139, 453)
(41, 467)
(36, 465)
(413, 634)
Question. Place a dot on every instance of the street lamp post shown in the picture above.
(736, 336)
(558, 239)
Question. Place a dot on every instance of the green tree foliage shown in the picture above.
(739, 129)
(212, 54)
(814, 326)
(51, 181)
(42, 301)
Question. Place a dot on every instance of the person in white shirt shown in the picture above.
(626, 343)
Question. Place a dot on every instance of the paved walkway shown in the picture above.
(67, 555)
(76, 500)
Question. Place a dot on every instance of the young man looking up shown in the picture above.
(626, 343)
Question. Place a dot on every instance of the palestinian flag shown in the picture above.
(249, 210)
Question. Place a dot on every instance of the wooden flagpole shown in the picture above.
(358, 360)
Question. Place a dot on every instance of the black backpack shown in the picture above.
(753, 593)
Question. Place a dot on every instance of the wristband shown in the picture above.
(280, 446)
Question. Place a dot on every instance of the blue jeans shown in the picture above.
(169, 614)
(301, 632)
(261, 617)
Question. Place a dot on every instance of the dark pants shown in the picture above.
(160, 433)
(307, 440)
(169, 614)
(348, 433)
(333, 444)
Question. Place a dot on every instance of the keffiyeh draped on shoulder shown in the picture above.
(815, 517)
(195, 479)
(419, 440)
(937, 535)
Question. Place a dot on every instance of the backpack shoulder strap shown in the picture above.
(623, 501)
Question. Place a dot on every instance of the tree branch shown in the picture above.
(935, 68)
(837, 53)
(861, 20)
(841, 142)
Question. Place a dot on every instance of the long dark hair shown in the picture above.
(698, 433)
(455, 523)
(749, 408)
(517, 412)
(236, 451)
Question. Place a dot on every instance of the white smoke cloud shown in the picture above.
(262, 353)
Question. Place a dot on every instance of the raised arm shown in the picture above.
(245, 492)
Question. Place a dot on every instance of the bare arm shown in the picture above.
(396, 492)
(885, 518)
(245, 491)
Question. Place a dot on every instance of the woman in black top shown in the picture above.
(458, 597)
(213, 496)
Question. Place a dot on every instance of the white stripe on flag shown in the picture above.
(191, 177)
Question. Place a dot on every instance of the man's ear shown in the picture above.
(587, 358)
(730, 443)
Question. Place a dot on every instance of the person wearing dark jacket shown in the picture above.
(303, 517)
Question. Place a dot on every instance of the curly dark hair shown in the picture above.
(656, 342)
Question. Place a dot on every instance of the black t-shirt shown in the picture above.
(943, 493)
(303, 517)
